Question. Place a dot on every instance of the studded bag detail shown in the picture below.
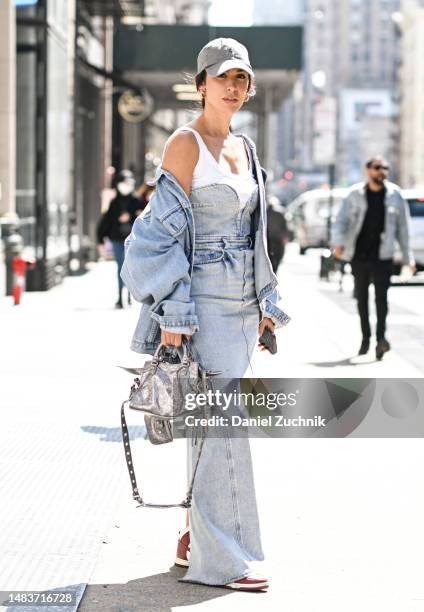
(159, 391)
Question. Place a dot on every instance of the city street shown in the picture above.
(247, 121)
(341, 518)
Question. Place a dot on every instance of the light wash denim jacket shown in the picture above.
(348, 224)
(159, 258)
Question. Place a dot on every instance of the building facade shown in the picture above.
(348, 45)
(44, 136)
(278, 12)
(66, 126)
(55, 123)
(194, 12)
(411, 77)
(7, 108)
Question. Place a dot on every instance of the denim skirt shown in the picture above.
(224, 526)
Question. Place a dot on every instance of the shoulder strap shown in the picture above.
(250, 143)
(186, 503)
(199, 139)
(249, 151)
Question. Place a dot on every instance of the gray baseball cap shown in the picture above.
(223, 54)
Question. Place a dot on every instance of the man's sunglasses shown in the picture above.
(380, 167)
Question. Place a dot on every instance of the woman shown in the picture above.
(197, 260)
(117, 221)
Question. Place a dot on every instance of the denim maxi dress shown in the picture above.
(220, 303)
(224, 526)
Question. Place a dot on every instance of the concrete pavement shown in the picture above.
(341, 519)
(324, 336)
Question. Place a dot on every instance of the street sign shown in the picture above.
(25, 2)
(325, 122)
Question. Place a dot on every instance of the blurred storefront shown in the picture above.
(92, 127)
(97, 90)
(44, 36)
(61, 135)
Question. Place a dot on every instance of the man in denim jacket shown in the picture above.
(159, 263)
(372, 218)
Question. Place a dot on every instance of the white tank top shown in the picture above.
(208, 171)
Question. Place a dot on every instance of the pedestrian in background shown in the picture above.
(372, 218)
(117, 221)
(277, 235)
(220, 293)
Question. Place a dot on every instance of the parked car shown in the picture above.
(307, 216)
(415, 199)
(307, 219)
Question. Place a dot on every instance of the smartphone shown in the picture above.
(269, 340)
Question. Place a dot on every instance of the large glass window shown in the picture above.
(26, 133)
(58, 145)
(58, 129)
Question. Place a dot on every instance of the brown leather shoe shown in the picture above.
(183, 548)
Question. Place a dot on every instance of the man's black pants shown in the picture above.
(376, 272)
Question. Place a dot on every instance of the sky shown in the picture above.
(231, 12)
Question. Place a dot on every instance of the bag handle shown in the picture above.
(184, 358)
(186, 503)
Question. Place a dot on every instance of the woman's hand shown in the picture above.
(124, 217)
(266, 322)
(170, 339)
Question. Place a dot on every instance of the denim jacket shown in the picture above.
(350, 218)
(159, 256)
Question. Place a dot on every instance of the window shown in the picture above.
(416, 207)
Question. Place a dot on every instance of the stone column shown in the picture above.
(7, 106)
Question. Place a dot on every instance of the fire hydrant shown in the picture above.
(19, 268)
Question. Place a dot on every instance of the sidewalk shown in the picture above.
(341, 519)
(60, 436)
(323, 338)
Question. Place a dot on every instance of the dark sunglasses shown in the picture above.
(380, 167)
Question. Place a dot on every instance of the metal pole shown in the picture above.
(266, 125)
(331, 177)
(327, 261)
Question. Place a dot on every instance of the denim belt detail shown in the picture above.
(230, 242)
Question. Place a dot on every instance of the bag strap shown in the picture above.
(186, 503)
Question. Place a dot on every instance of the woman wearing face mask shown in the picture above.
(197, 260)
(117, 221)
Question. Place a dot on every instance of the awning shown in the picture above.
(159, 56)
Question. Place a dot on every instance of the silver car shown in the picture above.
(415, 199)
(307, 216)
(307, 219)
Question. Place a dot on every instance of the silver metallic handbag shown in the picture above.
(159, 391)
